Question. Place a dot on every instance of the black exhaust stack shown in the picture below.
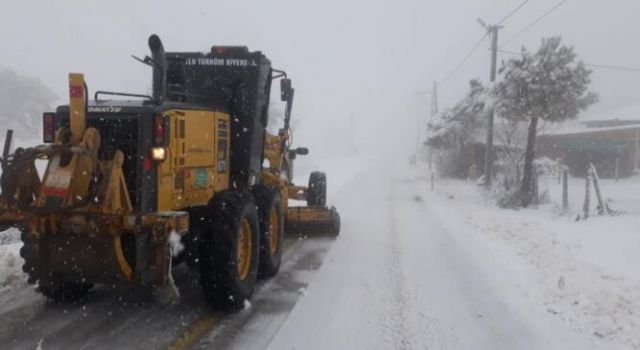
(159, 68)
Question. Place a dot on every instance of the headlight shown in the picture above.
(158, 153)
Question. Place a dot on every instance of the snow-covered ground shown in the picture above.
(442, 269)
(581, 272)
(10, 266)
(620, 195)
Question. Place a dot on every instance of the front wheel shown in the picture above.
(50, 286)
(271, 215)
(317, 190)
(229, 250)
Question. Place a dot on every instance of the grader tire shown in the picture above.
(65, 291)
(52, 288)
(271, 216)
(199, 225)
(317, 190)
(229, 250)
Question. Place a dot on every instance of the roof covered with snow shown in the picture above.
(591, 126)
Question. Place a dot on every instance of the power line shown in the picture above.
(592, 65)
(475, 47)
(605, 66)
(464, 60)
(481, 59)
(536, 21)
(512, 12)
(509, 52)
(474, 63)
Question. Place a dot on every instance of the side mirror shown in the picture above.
(285, 89)
(303, 151)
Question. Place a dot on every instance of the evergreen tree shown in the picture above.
(455, 126)
(451, 131)
(550, 84)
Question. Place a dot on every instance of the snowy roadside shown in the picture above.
(583, 273)
(340, 171)
(11, 275)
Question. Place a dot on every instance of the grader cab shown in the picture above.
(126, 180)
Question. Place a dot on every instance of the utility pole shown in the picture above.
(488, 159)
(352, 135)
(417, 136)
(433, 111)
(434, 99)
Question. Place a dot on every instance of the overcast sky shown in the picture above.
(370, 59)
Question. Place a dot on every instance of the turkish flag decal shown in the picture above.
(76, 91)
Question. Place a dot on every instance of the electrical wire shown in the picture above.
(592, 65)
(509, 52)
(532, 24)
(464, 60)
(605, 66)
(475, 47)
(512, 12)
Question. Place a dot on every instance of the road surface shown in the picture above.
(396, 278)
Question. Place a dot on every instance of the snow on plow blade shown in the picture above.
(313, 221)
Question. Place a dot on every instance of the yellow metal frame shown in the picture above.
(278, 175)
(197, 162)
(77, 106)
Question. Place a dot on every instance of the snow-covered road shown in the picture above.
(113, 319)
(399, 278)
(405, 273)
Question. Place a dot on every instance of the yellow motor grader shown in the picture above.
(133, 187)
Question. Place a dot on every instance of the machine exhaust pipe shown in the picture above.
(159, 68)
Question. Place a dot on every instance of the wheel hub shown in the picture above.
(244, 249)
(274, 231)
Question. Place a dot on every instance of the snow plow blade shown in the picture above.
(313, 221)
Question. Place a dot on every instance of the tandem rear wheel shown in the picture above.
(271, 216)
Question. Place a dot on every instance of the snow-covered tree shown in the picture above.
(22, 102)
(510, 137)
(455, 126)
(549, 85)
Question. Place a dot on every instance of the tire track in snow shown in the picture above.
(395, 319)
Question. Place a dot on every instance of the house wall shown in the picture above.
(600, 147)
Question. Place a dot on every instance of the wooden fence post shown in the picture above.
(587, 195)
(602, 206)
(565, 190)
(8, 141)
(535, 187)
